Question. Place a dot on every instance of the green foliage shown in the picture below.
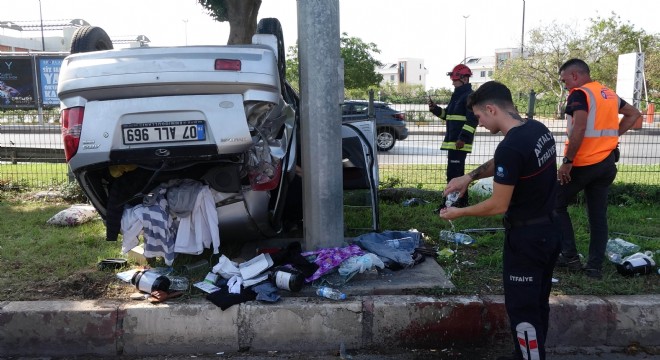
(14, 186)
(606, 39)
(240, 14)
(72, 192)
(390, 182)
(623, 194)
(359, 65)
(549, 46)
(293, 67)
(216, 8)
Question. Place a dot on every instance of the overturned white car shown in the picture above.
(224, 116)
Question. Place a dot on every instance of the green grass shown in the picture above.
(35, 256)
(476, 269)
(433, 176)
(32, 175)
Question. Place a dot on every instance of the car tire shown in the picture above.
(90, 38)
(385, 139)
(272, 26)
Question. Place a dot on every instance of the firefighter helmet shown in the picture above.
(459, 71)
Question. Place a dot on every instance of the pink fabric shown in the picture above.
(328, 259)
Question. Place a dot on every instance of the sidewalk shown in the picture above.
(384, 311)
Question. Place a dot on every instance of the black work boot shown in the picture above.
(572, 263)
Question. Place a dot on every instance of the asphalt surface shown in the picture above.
(408, 354)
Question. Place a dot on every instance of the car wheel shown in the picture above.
(90, 38)
(385, 139)
(272, 26)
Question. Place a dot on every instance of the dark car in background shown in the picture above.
(390, 123)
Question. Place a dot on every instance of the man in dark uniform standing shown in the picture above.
(524, 189)
(461, 125)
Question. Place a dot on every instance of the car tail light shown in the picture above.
(71, 120)
(400, 116)
(228, 64)
(266, 177)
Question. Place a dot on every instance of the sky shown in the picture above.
(439, 32)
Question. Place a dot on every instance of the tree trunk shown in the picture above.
(242, 17)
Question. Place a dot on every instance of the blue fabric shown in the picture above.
(266, 291)
(392, 246)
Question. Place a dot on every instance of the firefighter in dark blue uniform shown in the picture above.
(460, 124)
(524, 171)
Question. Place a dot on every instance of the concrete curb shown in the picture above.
(109, 328)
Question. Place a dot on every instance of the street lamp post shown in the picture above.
(522, 36)
(185, 29)
(465, 17)
(41, 19)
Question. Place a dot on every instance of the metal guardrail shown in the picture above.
(14, 155)
(416, 161)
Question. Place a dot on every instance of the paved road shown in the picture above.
(417, 354)
(419, 148)
(636, 149)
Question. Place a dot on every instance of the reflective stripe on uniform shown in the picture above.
(456, 117)
(451, 145)
(601, 128)
(469, 128)
(527, 341)
(591, 131)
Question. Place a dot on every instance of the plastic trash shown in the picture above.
(178, 283)
(330, 293)
(451, 198)
(621, 247)
(359, 264)
(446, 253)
(414, 202)
(636, 264)
(456, 237)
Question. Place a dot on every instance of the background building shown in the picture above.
(409, 71)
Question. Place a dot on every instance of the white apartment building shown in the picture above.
(405, 71)
(483, 66)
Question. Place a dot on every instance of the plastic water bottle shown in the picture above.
(451, 198)
(621, 247)
(456, 237)
(330, 293)
(615, 257)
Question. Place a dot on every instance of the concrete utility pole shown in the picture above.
(318, 46)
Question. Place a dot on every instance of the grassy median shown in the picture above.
(44, 262)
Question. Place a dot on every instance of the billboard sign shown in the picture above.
(17, 82)
(49, 71)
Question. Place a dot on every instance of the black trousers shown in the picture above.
(595, 180)
(456, 168)
(529, 256)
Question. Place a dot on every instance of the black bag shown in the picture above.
(617, 153)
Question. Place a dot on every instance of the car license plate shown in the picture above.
(171, 131)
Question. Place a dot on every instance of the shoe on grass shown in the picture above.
(571, 263)
(595, 274)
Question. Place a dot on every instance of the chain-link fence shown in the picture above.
(418, 161)
(31, 148)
